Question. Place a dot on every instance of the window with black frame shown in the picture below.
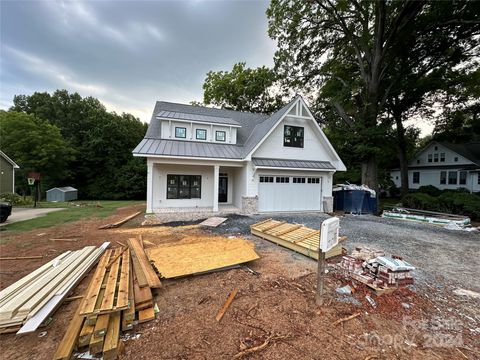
(184, 186)
(180, 132)
(293, 136)
(220, 135)
(201, 134)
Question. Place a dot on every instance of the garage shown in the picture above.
(289, 193)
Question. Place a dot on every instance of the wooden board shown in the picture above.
(111, 342)
(123, 289)
(141, 295)
(137, 249)
(26, 280)
(101, 325)
(85, 335)
(146, 315)
(37, 316)
(120, 222)
(95, 284)
(225, 306)
(140, 275)
(299, 238)
(196, 257)
(65, 348)
(108, 301)
(111, 294)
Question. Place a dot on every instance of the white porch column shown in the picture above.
(149, 187)
(216, 171)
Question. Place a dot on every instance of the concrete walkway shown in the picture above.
(22, 214)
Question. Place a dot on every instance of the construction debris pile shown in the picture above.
(28, 303)
(376, 270)
(428, 217)
(118, 297)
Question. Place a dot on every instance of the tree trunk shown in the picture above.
(370, 172)
(402, 155)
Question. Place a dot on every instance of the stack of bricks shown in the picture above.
(380, 271)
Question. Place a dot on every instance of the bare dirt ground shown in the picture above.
(274, 311)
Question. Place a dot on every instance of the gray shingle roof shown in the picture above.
(470, 151)
(296, 164)
(254, 127)
(197, 117)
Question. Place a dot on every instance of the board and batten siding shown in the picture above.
(168, 131)
(314, 147)
(6, 176)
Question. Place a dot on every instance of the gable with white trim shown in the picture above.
(316, 146)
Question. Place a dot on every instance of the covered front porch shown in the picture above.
(193, 186)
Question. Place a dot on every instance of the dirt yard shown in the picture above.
(274, 312)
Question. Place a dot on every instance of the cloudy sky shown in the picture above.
(128, 54)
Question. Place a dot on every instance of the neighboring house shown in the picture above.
(66, 193)
(7, 174)
(445, 166)
(200, 157)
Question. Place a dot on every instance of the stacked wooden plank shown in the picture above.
(296, 237)
(26, 304)
(114, 302)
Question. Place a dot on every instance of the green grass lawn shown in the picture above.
(71, 212)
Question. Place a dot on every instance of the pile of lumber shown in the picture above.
(118, 297)
(27, 303)
(299, 238)
(120, 222)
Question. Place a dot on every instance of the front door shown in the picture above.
(222, 189)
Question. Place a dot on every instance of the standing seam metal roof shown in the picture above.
(297, 164)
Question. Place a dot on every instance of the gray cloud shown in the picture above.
(127, 53)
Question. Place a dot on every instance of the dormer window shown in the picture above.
(201, 134)
(180, 132)
(293, 136)
(220, 135)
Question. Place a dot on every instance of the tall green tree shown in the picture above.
(460, 118)
(242, 89)
(36, 145)
(103, 142)
(347, 52)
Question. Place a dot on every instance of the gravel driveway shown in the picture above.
(438, 254)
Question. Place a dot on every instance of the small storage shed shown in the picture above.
(66, 193)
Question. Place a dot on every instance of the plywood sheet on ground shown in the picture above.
(174, 260)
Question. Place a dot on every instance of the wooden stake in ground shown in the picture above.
(320, 278)
(328, 240)
(226, 305)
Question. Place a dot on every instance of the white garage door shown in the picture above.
(289, 193)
